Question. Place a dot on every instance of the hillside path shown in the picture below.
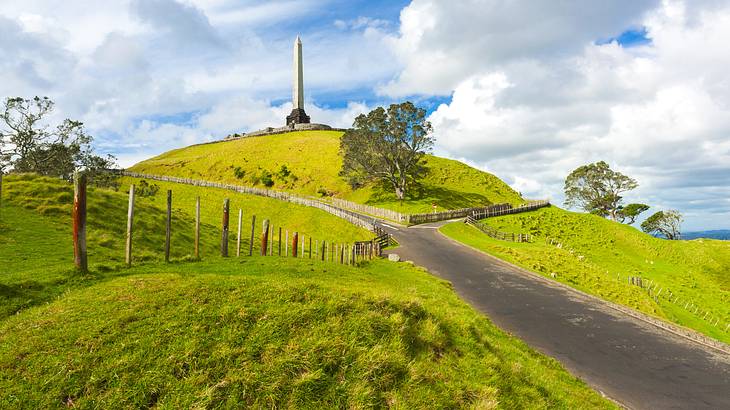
(632, 362)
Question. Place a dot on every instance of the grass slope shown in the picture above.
(254, 332)
(697, 271)
(36, 249)
(313, 160)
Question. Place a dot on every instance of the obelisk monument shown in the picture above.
(298, 116)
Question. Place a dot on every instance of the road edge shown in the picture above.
(677, 330)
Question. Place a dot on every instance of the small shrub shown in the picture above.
(264, 177)
(239, 172)
(146, 189)
(284, 172)
(323, 192)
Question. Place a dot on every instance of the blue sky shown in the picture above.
(526, 90)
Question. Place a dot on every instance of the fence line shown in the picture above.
(494, 233)
(352, 217)
(507, 209)
(351, 211)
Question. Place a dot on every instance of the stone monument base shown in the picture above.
(281, 130)
(297, 116)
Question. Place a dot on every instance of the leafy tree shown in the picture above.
(628, 214)
(388, 146)
(27, 144)
(666, 223)
(597, 189)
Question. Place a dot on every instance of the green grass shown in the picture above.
(313, 159)
(272, 332)
(36, 247)
(605, 253)
(252, 331)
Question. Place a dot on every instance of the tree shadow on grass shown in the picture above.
(428, 194)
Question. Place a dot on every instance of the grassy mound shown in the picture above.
(36, 247)
(308, 163)
(272, 332)
(597, 256)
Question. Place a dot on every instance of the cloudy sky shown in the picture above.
(526, 90)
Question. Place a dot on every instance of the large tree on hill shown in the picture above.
(28, 144)
(597, 189)
(387, 145)
(667, 223)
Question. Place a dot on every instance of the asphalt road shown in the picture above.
(632, 362)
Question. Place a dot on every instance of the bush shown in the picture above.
(145, 189)
(239, 172)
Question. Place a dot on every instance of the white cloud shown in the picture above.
(531, 101)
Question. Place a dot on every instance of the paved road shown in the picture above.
(634, 363)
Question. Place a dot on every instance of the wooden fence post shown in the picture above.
(321, 255)
(265, 238)
(310, 247)
(303, 242)
(130, 221)
(238, 236)
(294, 245)
(279, 241)
(224, 230)
(79, 221)
(253, 230)
(168, 226)
(197, 228)
(286, 244)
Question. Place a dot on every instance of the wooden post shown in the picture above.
(265, 238)
(286, 244)
(253, 230)
(279, 241)
(321, 255)
(294, 244)
(310, 247)
(130, 220)
(197, 228)
(353, 255)
(303, 242)
(271, 241)
(168, 226)
(342, 254)
(238, 237)
(224, 231)
(79, 222)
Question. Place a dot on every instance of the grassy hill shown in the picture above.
(253, 331)
(308, 163)
(35, 230)
(597, 256)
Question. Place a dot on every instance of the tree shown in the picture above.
(666, 223)
(628, 214)
(597, 189)
(387, 145)
(27, 144)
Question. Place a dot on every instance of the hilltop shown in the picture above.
(598, 256)
(308, 163)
